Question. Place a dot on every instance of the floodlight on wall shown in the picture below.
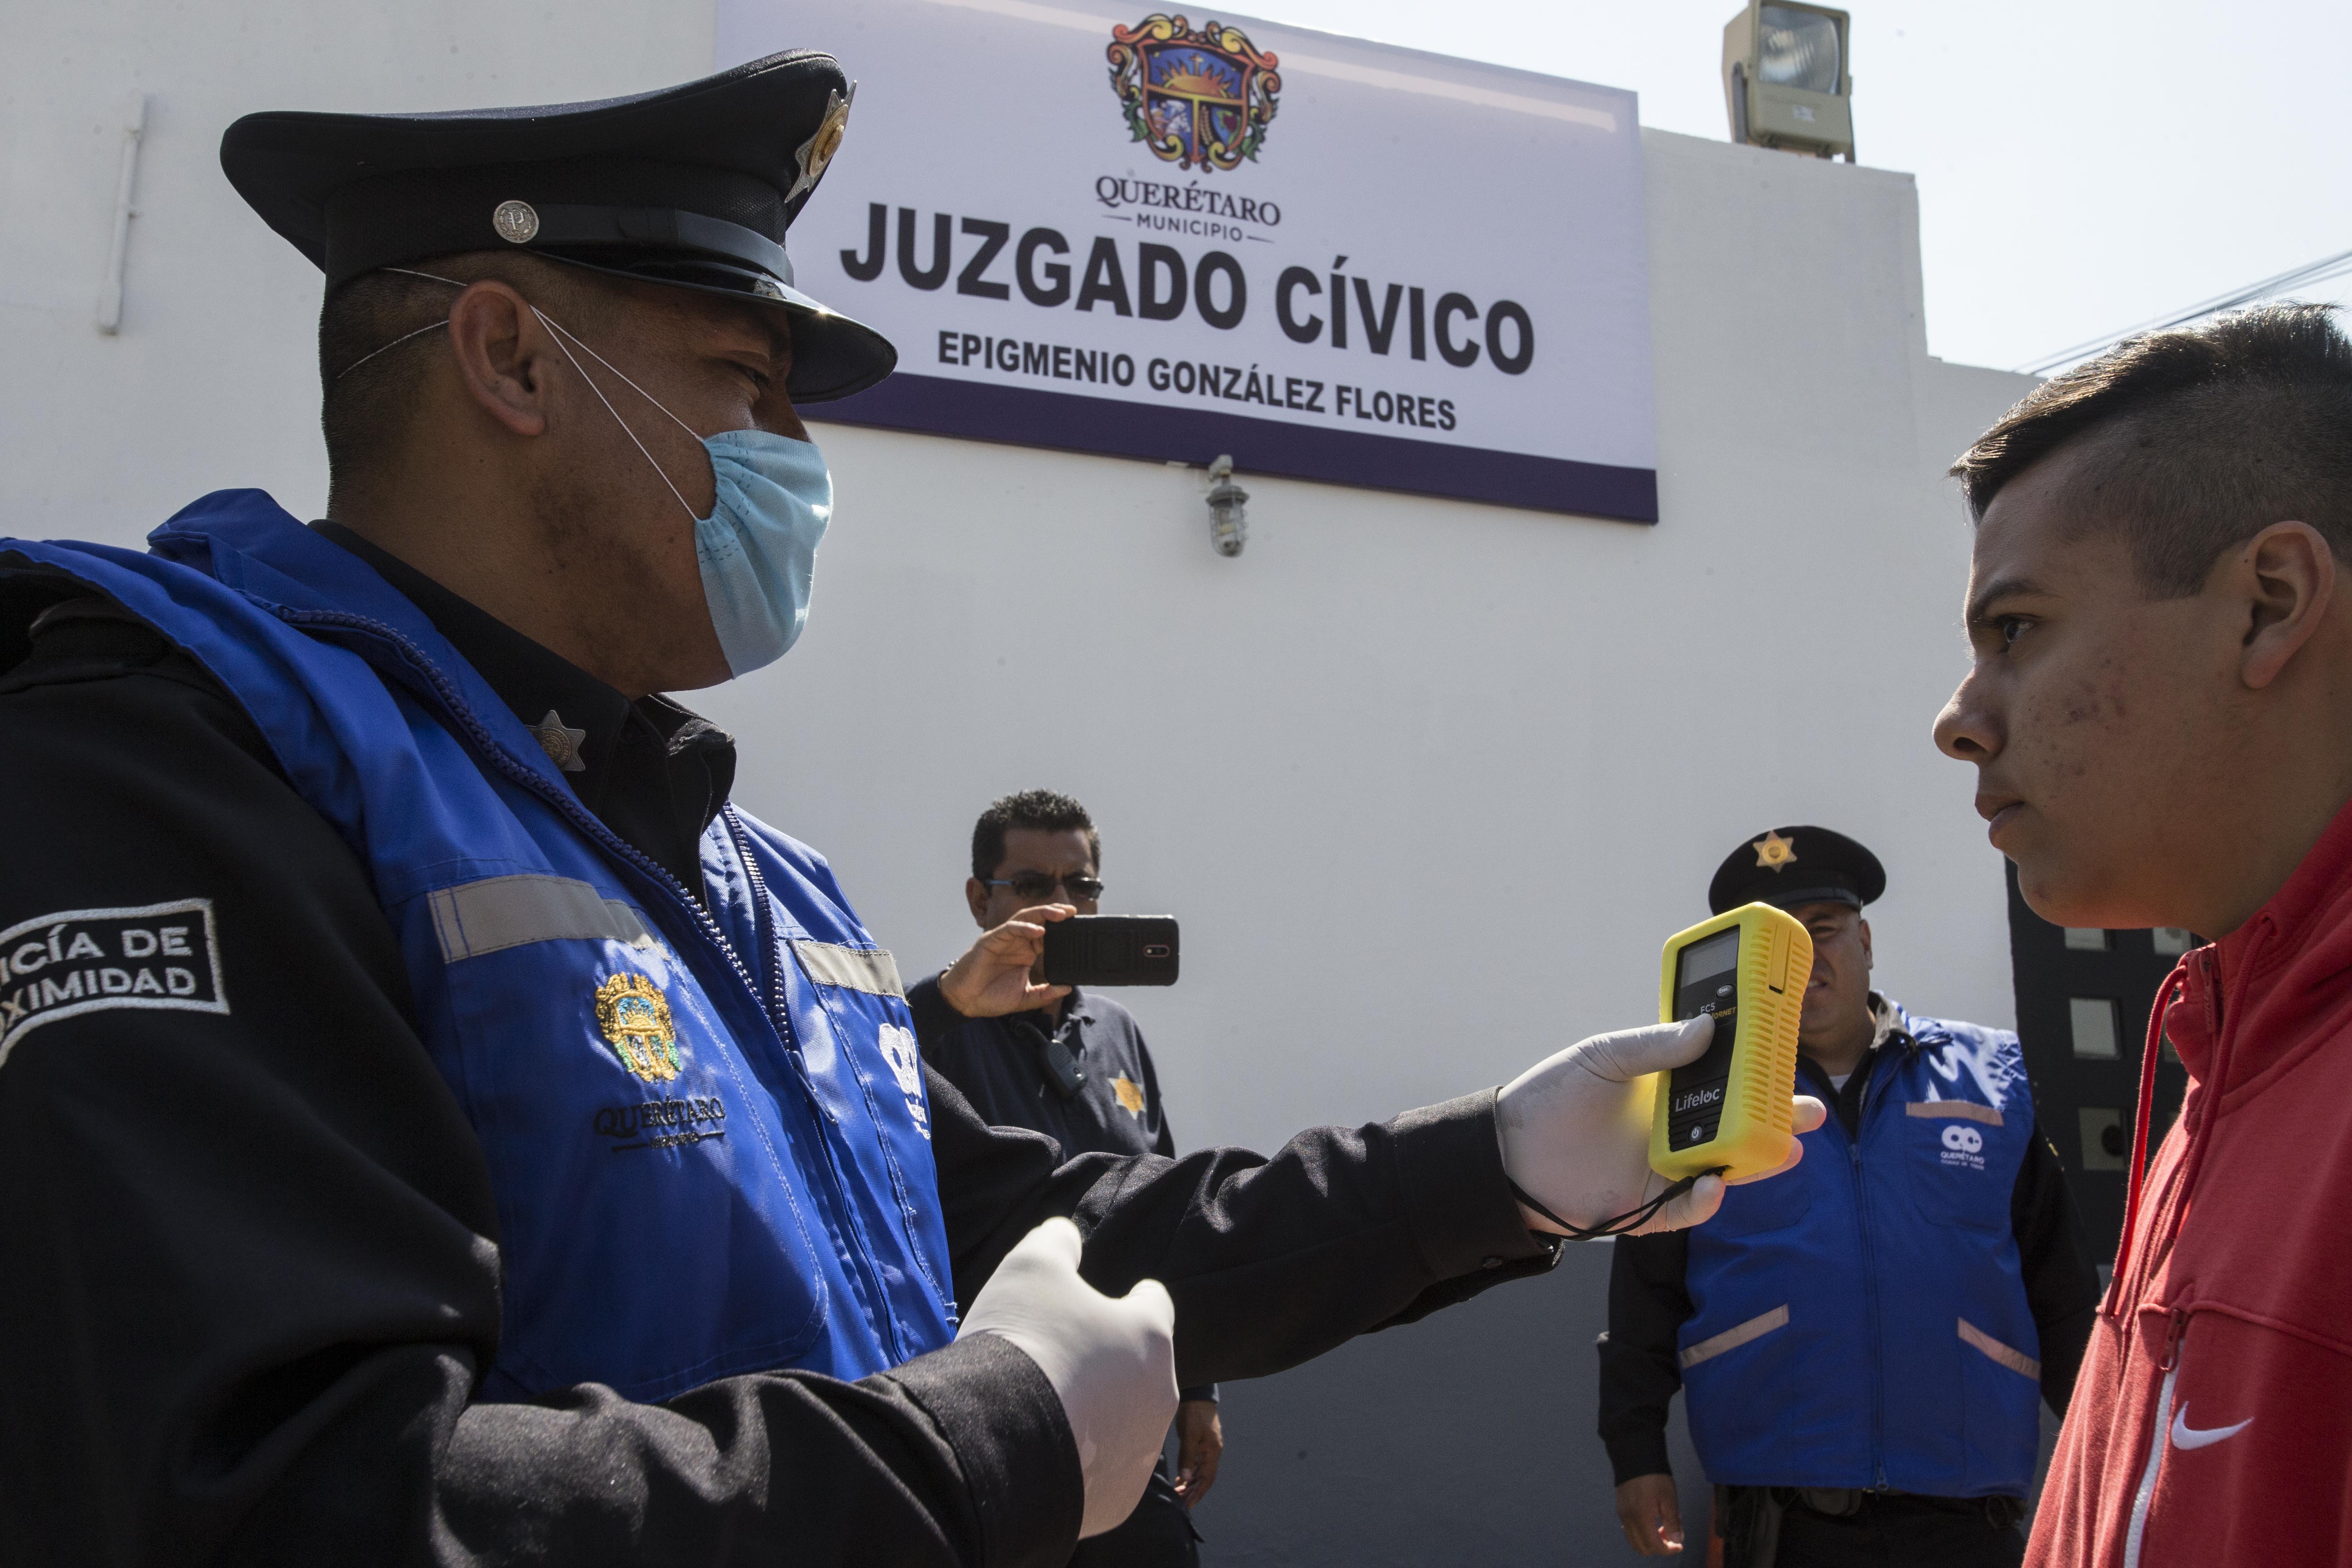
(1228, 515)
(1785, 77)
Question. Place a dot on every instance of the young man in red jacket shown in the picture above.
(2160, 711)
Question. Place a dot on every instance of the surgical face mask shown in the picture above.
(757, 549)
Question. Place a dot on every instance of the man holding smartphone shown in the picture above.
(1076, 1070)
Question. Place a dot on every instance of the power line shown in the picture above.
(2320, 271)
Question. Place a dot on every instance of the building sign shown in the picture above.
(1174, 236)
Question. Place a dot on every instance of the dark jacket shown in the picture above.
(1084, 1080)
(253, 1278)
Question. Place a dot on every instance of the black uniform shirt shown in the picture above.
(252, 1265)
(1085, 1081)
(1006, 1069)
(1640, 1366)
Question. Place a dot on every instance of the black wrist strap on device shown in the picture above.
(1617, 1224)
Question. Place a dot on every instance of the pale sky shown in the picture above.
(2082, 167)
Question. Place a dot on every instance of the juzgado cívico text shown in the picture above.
(1333, 307)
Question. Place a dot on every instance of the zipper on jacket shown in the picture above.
(1870, 1305)
(2160, 1437)
(780, 1016)
(1875, 1083)
(2175, 1327)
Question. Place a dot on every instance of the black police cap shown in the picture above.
(1801, 865)
(693, 186)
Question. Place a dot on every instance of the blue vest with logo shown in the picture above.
(704, 1123)
(1862, 1321)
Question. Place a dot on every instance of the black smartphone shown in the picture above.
(1111, 950)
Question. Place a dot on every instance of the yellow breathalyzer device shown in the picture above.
(1728, 1110)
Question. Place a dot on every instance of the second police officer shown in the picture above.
(1861, 1346)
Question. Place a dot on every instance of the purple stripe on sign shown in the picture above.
(1024, 416)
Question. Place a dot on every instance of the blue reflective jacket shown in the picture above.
(705, 1126)
(1862, 1321)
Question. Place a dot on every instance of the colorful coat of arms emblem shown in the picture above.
(1199, 98)
(636, 1019)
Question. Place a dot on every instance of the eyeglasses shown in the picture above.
(1037, 886)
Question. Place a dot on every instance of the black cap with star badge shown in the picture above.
(1792, 866)
(691, 185)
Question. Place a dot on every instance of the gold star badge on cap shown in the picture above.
(814, 153)
(1774, 852)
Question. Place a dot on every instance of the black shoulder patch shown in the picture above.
(82, 961)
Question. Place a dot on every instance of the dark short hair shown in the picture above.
(1040, 808)
(2196, 440)
(373, 337)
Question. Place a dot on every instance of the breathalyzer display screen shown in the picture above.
(1702, 962)
(1705, 980)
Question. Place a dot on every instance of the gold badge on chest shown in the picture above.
(636, 1019)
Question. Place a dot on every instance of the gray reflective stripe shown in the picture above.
(868, 969)
(499, 912)
(2016, 1360)
(1731, 1338)
(1953, 1110)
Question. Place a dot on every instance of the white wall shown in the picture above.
(1427, 781)
(213, 380)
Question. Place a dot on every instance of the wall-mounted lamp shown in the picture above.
(1228, 517)
(1786, 79)
(109, 298)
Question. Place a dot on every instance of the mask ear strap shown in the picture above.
(427, 327)
(608, 364)
(562, 332)
(559, 335)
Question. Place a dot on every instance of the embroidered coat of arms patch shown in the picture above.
(635, 1017)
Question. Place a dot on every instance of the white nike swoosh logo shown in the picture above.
(2184, 1435)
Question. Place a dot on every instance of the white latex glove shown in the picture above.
(1576, 1129)
(1113, 1363)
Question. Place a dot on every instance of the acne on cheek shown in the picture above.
(2098, 698)
(2096, 777)
(2057, 750)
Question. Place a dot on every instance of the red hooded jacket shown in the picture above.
(2212, 1422)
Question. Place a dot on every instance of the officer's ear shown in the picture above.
(975, 896)
(504, 355)
(1864, 927)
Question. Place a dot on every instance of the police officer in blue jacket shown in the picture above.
(440, 1127)
(1861, 1347)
